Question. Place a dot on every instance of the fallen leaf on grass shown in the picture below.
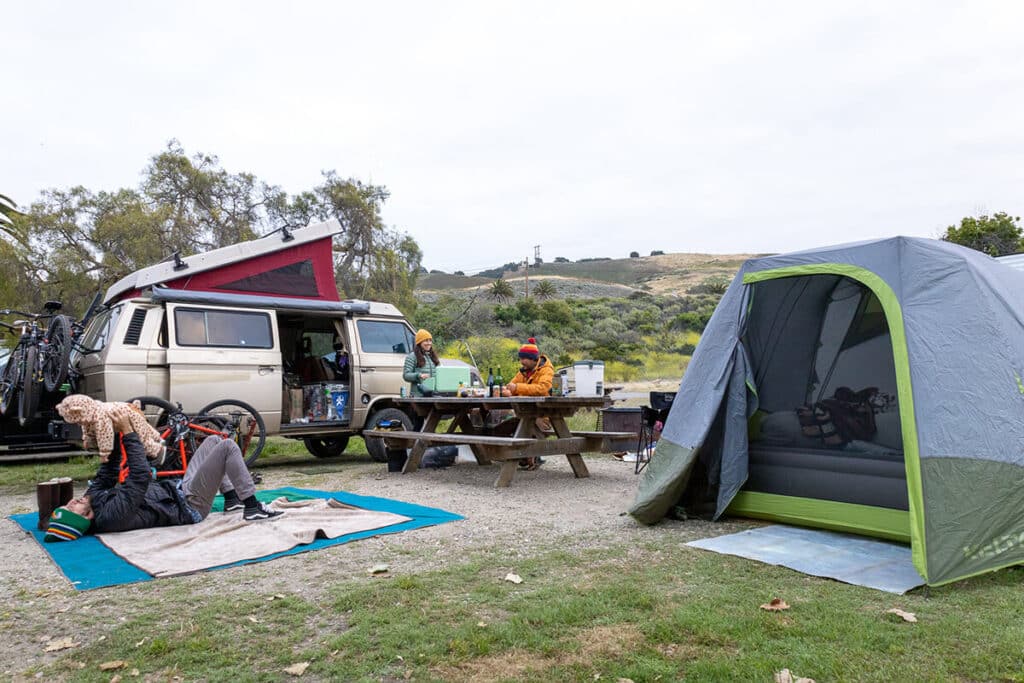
(776, 605)
(276, 596)
(134, 672)
(787, 676)
(297, 669)
(379, 569)
(905, 616)
(116, 678)
(139, 644)
(253, 619)
(61, 644)
(623, 680)
(513, 578)
(481, 624)
(111, 665)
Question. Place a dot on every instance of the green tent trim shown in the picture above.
(894, 317)
(893, 525)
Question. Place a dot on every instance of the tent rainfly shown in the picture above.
(872, 388)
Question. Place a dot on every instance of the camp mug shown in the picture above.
(52, 494)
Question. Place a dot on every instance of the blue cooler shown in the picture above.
(340, 400)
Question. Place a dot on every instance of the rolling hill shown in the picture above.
(667, 274)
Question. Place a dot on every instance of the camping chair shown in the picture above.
(649, 418)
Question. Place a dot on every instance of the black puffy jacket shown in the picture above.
(139, 502)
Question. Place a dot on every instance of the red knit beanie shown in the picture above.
(529, 349)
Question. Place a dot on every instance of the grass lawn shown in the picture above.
(645, 613)
(652, 610)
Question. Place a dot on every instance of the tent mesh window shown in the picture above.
(295, 279)
(827, 426)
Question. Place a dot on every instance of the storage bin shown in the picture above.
(621, 420)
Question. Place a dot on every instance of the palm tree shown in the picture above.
(502, 291)
(8, 210)
(545, 289)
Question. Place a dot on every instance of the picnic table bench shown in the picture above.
(527, 439)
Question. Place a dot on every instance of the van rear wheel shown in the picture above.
(326, 448)
(375, 447)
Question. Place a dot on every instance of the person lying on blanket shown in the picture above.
(141, 502)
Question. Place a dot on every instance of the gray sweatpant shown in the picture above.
(217, 465)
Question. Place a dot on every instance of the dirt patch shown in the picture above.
(608, 641)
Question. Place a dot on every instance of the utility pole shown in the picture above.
(527, 264)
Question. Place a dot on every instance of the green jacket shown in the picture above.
(411, 373)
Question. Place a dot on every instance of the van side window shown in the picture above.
(197, 327)
(384, 337)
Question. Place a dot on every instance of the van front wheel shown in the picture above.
(375, 447)
(326, 448)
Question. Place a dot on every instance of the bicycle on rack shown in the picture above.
(38, 362)
(182, 433)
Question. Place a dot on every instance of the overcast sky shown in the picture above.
(590, 129)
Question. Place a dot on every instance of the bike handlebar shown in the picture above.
(33, 316)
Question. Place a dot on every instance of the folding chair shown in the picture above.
(645, 444)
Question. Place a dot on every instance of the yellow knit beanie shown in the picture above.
(422, 336)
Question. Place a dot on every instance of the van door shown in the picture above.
(217, 352)
(382, 347)
(90, 358)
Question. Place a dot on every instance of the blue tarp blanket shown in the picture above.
(88, 563)
(852, 559)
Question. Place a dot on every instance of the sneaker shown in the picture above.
(233, 505)
(261, 511)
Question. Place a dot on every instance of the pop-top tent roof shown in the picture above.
(953, 321)
(290, 264)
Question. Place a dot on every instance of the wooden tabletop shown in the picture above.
(505, 401)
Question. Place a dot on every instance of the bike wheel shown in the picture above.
(172, 425)
(58, 352)
(240, 422)
(29, 398)
(9, 382)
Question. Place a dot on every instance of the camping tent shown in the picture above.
(924, 342)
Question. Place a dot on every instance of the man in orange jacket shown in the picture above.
(533, 379)
(535, 373)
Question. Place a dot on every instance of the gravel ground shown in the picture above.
(541, 511)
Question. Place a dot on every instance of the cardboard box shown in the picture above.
(295, 405)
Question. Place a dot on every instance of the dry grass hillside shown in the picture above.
(667, 274)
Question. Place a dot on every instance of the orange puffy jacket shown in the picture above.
(539, 381)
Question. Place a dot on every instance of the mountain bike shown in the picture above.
(38, 362)
(183, 433)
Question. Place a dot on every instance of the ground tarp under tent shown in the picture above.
(873, 388)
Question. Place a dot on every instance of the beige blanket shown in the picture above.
(223, 538)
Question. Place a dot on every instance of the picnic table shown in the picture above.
(470, 425)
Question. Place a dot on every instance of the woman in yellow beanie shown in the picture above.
(420, 364)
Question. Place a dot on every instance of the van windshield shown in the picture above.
(100, 328)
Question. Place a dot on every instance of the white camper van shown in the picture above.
(257, 324)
